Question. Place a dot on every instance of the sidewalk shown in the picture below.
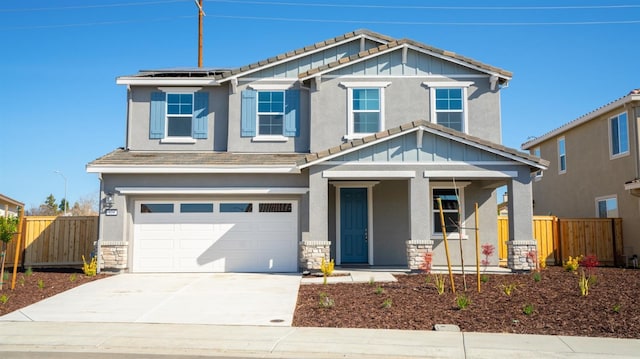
(285, 342)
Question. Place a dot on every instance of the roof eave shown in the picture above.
(156, 169)
(581, 120)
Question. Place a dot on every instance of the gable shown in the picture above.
(434, 149)
(416, 64)
(294, 67)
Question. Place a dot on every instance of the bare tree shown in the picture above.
(85, 206)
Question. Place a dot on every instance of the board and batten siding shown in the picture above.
(405, 149)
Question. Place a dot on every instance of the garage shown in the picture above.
(215, 236)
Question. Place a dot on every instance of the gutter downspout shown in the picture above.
(100, 226)
(127, 129)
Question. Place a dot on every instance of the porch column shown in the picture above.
(315, 245)
(521, 247)
(420, 242)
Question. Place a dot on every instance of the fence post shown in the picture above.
(613, 242)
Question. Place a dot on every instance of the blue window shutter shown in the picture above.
(200, 115)
(292, 113)
(157, 115)
(249, 113)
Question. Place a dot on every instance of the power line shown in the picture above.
(419, 7)
(76, 7)
(99, 23)
(383, 22)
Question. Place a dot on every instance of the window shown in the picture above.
(156, 208)
(270, 113)
(449, 198)
(179, 117)
(365, 108)
(607, 207)
(196, 208)
(236, 207)
(536, 152)
(562, 156)
(448, 102)
(179, 114)
(619, 135)
(449, 108)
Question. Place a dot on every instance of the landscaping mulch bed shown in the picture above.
(610, 309)
(38, 285)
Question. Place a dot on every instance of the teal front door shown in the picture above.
(354, 224)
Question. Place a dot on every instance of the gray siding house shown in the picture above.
(595, 168)
(338, 149)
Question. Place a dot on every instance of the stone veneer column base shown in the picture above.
(416, 250)
(312, 253)
(113, 256)
(518, 258)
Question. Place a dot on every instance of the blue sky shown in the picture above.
(60, 107)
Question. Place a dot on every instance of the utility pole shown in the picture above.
(200, 15)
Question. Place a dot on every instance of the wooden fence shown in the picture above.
(559, 238)
(50, 241)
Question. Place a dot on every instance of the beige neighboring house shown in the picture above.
(594, 169)
(9, 206)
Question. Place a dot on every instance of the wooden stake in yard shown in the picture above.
(16, 258)
(446, 245)
(477, 247)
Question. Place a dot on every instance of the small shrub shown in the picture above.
(528, 309)
(326, 301)
(40, 283)
(484, 278)
(73, 277)
(379, 290)
(509, 288)
(90, 269)
(372, 281)
(462, 301)
(28, 272)
(616, 308)
(487, 251)
(537, 276)
(387, 303)
(4, 299)
(438, 281)
(572, 264)
(542, 263)
(5, 277)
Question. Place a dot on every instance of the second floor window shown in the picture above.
(270, 113)
(449, 108)
(562, 156)
(366, 110)
(179, 115)
(536, 152)
(619, 134)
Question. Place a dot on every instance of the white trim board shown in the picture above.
(212, 190)
(368, 174)
(190, 169)
(470, 174)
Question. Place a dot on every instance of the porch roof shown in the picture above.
(534, 162)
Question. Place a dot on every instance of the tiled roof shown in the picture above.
(126, 158)
(400, 43)
(302, 50)
(386, 43)
(313, 157)
(631, 96)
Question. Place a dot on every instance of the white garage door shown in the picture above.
(215, 236)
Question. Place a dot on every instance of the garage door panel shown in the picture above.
(215, 242)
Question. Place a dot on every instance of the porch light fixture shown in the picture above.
(108, 200)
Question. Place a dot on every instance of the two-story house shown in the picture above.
(338, 149)
(595, 168)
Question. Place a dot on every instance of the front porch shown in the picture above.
(373, 201)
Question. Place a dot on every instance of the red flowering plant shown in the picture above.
(487, 251)
(587, 273)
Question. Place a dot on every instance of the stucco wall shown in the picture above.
(591, 173)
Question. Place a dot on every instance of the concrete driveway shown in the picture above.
(221, 298)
